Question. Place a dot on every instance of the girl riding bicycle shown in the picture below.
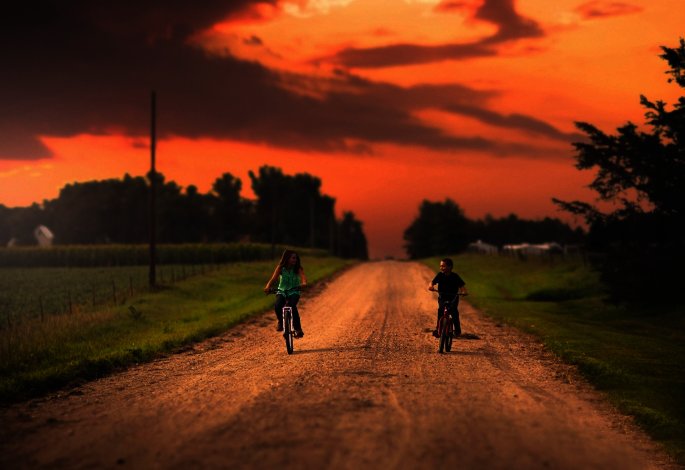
(291, 278)
(449, 285)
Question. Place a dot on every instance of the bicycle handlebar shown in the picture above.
(463, 294)
(274, 290)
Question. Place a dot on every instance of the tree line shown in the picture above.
(442, 227)
(288, 209)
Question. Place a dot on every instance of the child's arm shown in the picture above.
(277, 272)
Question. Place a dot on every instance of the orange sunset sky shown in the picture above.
(389, 102)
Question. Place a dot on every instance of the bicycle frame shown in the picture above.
(445, 330)
(446, 325)
(288, 329)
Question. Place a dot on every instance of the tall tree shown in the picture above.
(640, 173)
(229, 209)
(291, 209)
(351, 238)
(441, 227)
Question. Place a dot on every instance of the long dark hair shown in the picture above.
(286, 256)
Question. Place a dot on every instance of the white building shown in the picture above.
(43, 236)
(481, 247)
(533, 249)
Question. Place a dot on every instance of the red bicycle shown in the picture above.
(446, 325)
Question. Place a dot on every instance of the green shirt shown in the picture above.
(288, 283)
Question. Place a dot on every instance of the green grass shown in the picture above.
(39, 356)
(634, 354)
(27, 293)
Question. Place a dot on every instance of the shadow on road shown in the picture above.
(463, 353)
(322, 350)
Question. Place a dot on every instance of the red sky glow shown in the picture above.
(388, 102)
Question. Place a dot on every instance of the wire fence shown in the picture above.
(37, 293)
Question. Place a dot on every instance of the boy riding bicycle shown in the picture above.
(449, 285)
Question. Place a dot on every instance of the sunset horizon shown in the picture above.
(474, 101)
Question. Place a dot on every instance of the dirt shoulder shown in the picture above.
(365, 388)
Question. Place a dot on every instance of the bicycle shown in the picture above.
(289, 333)
(446, 326)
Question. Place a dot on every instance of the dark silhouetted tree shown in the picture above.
(352, 241)
(289, 208)
(18, 224)
(512, 229)
(229, 210)
(640, 174)
(105, 211)
(440, 228)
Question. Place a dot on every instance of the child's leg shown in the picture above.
(292, 301)
(455, 318)
(278, 307)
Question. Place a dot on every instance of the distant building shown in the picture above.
(43, 236)
(533, 249)
(481, 247)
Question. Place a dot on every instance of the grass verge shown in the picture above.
(40, 356)
(634, 354)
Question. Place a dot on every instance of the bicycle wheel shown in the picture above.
(448, 343)
(288, 330)
(444, 336)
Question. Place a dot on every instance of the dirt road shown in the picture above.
(364, 389)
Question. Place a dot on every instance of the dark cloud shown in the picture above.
(510, 26)
(602, 9)
(88, 67)
(409, 54)
(253, 41)
(514, 121)
(451, 6)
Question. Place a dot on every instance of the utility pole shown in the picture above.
(312, 222)
(153, 190)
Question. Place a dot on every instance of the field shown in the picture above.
(38, 282)
(29, 293)
(634, 354)
(39, 354)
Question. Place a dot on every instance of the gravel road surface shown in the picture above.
(365, 388)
